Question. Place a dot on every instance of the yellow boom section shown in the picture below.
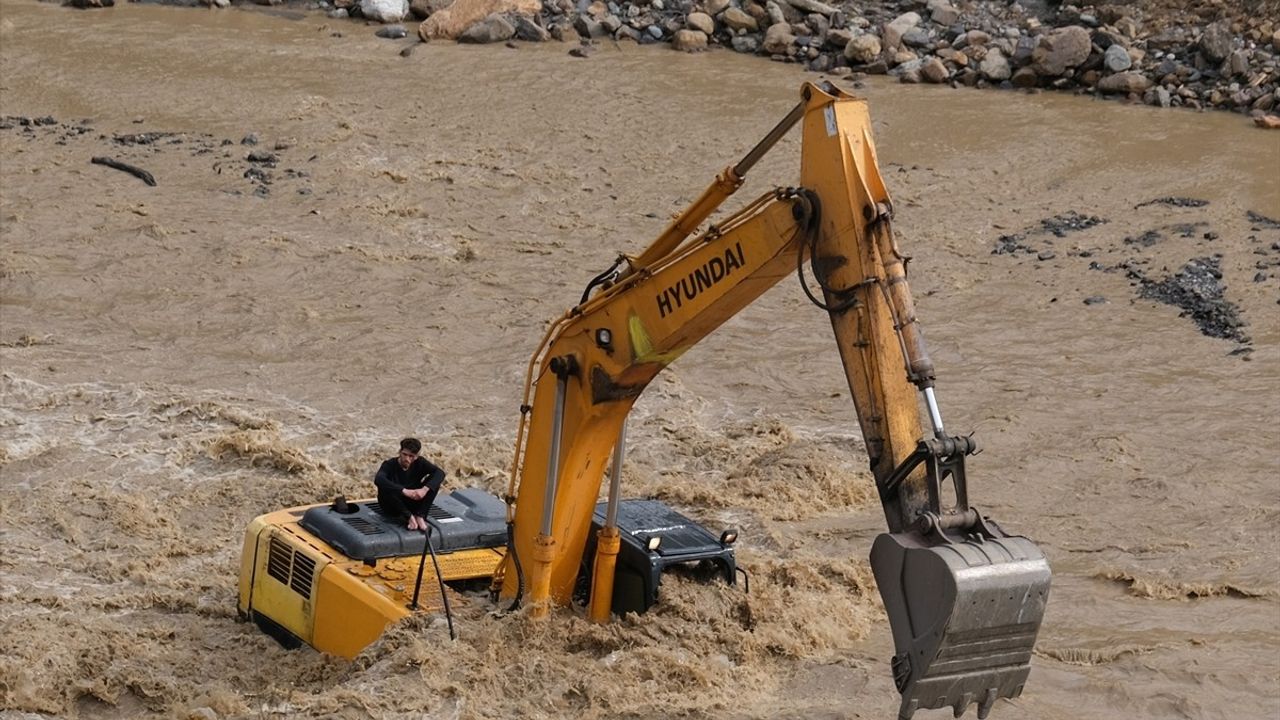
(596, 360)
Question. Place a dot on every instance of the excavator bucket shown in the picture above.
(964, 609)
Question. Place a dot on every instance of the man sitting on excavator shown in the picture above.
(407, 485)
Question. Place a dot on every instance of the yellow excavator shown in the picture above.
(964, 598)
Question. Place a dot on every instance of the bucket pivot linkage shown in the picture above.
(964, 598)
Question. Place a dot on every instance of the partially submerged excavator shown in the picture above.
(964, 598)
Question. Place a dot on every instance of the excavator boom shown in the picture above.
(964, 598)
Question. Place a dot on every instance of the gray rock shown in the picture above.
(839, 38)
(1061, 50)
(812, 6)
(611, 24)
(1239, 62)
(945, 15)
(746, 44)
(1275, 41)
(1023, 51)
(715, 7)
(492, 29)
(1125, 82)
(934, 71)
(384, 11)
(529, 31)
(1216, 42)
(701, 22)
(863, 48)
(736, 20)
(820, 27)
(339, 14)
(976, 37)
(891, 37)
(911, 67)
(916, 38)
(995, 67)
(1095, 300)
(778, 39)
(775, 13)
(1163, 99)
(1117, 59)
(654, 31)
(392, 32)
(588, 27)
(689, 41)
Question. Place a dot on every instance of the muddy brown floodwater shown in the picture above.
(180, 358)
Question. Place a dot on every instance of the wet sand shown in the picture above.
(178, 359)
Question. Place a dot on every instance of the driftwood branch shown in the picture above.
(135, 171)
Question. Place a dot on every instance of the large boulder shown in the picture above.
(385, 11)
(1061, 50)
(863, 48)
(778, 39)
(462, 14)
(701, 22)
(689, 40)
(1125, 82)
(530, 31)
(736, 19)
(995, 66)
(893, 32)
(934, 71)
(1216, 42)
(492, 29)
(1117, 59)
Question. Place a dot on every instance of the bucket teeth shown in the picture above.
(964, 613)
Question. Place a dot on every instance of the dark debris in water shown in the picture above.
(1174, 202)
(1146, 239)
(1197, 289)
(1058, 226)
(1262, 220)
(1070, 221)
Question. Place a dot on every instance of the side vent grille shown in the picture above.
(290, 568)
(303, 568)
(438, 513)
(364, 527)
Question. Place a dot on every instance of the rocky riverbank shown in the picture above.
(1200, 54)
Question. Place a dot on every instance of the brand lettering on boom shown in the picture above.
(711, 272)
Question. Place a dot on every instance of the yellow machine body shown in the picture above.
(297, 587)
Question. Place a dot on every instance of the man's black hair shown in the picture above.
(412, 445)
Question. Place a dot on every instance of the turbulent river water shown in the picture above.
(177, 359)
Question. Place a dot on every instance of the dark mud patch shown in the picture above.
(1174, 202)
(1262, 221)
(1057, 226)
(1197, 289)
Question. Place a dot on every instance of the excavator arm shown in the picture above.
(964, 599)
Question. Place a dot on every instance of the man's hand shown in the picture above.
(415, 494)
